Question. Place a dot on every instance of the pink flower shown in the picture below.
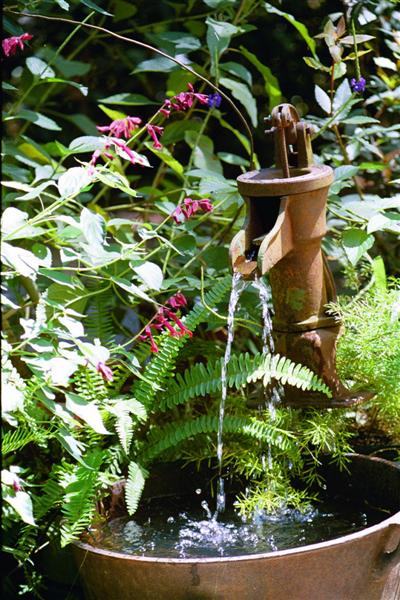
(121, 127)
(183, 101)
(190, 207)
(11, 44)
(127, 153)
(148, 335)
(104, 371)
(177, 300)
(154, 131)
(163, 320)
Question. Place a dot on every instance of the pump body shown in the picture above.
(286, 221)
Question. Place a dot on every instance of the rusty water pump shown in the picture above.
(286, 221)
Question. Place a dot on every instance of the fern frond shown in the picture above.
(203, 379)
(175, 433)
(134, 486)
(161, 366)
(89, 384)
(16, 439)
(80, 497)
(99, 322)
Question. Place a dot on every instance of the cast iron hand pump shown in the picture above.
(286, 221)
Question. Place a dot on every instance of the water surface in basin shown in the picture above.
(175, 529)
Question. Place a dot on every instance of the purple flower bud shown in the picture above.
(214, 100)
(358, 86)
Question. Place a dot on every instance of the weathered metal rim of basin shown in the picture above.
(269, 182)
(394, 519)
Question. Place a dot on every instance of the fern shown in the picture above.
(52, 491)
(99, 322)
(161, 366)
(202, 379)
(80, 496)
(89, 384)
(175, 433)
(18, 438)
(134, 486)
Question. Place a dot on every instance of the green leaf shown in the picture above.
(237, 69)
(271, 82)
(241, 92)
(60, 277)
(87, 411)
(165, 155)
(343, 93)
(203, 152)
(385, 63)
(356, 242)
(114, 180)
(22, 504)
(150, 274)
(379, 272)
(73, 181)
(114, 115)
(14, 225)
(22, 261)
(219, 34)
(359, 120)
(86, 143)
(92, 226)
(125, 98)
(315, 63)
(134, 486)
(160, 64)
(39, 68)
(96, 8)
(83, 89)
(302, 29)
(323, 99)
(37, 119)
(131, 288)
(342, 175)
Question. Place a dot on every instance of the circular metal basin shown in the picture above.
(360, 566)
(270, 182)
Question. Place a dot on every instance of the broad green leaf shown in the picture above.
(203, 152)
(175, 42)
(160, 64)
(165, 155)
(96, 7)
(37, 191)
(131, 288)
(125, 98)
(37, 119)
(114, 115)
(343, 93)
(360, 38)
(150, 274)
(14, 225)
(39, 68)
(385, 63)
(82, 88)
(60, 277)
(219, 34)
(359, 120)
(241, 92)
(323, 99)
(233, 159)
(315, 63)
(234, 68)
(219, 3)
(22, 261)
(271, 82)
(73, 181)
(7, 87)
(93, 226)
(355, 243)
(72, 446)
(87, 143)
(301, 28)
(114, 180)
(22, 504)
(175, 132)
(87, 411)
(343, 176)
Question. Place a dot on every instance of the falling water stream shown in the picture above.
(238, 285)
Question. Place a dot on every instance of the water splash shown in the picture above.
(238, 285)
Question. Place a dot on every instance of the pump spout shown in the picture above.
(286, 221)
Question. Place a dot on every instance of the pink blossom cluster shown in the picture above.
(190, 207)
(121, 127)
(183, 101)
(166, 319)
(115, 143)
(11, 44)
